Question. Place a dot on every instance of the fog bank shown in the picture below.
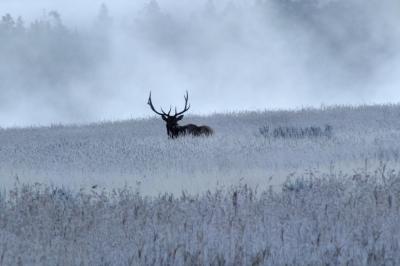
(74, 62)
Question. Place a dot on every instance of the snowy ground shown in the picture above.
(138, 151)
(267, 189)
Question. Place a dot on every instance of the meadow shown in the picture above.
(312, 186)
(112, 154)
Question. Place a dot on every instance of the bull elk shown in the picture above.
(173, 129)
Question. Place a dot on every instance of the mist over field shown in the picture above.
(76, 62)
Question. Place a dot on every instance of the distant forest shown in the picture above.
(49, 54)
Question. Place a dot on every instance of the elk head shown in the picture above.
(173, 129)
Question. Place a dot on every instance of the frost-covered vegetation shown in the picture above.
(112, 154)
(314, 220)
(295, 132)
(221, 200)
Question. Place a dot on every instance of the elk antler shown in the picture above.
(186, 105)
(149, 102)
(168, 111)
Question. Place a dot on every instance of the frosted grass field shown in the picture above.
(329, 220)
(122, 193)
(138, 151)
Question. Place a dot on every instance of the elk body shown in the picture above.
(173, 129)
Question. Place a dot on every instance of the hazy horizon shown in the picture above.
(85, 64)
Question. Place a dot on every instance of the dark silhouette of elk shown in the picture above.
(173, 129)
